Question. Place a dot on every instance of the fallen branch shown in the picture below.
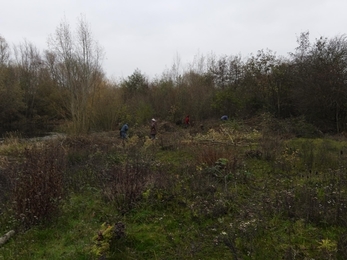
(6, 237)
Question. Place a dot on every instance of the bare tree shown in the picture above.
(227, 71)
(319, 82)
(11, 101)
(76, 63)
(4, 51)
(29, 67)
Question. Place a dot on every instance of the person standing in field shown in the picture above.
(153, 131)
(187, 121)
(123, 131)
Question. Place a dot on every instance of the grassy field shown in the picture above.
(260, 189)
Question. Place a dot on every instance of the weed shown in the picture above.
(105, 240)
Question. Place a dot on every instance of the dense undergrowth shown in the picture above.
(231, 190)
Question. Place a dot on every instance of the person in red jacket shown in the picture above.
(187, 121)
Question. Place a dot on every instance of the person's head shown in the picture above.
(153, 120)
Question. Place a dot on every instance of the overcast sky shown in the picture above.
(149, 35)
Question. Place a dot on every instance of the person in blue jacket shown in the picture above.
(123, 131)
(224, 118)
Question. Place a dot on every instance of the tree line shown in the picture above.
(65, 87)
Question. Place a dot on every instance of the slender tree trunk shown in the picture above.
(337, 119)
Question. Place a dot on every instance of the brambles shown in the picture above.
(126, 184)
(38, 183)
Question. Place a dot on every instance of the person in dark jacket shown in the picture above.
(153, 131)
(123, 131)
